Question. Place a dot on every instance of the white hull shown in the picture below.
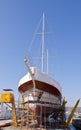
(42, 81)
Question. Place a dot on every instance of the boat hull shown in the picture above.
(42, 97)
(39, 85)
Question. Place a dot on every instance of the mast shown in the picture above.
(47, 61)
(43, 44)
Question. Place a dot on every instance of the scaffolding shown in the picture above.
(41, 109)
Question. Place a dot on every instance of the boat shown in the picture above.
(42, 96)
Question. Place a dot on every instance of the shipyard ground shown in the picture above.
(6, 125)
(25, 128)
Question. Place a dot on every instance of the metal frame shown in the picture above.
(46, 101)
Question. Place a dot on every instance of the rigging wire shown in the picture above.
(34, 35)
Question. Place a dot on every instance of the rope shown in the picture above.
(34, 36)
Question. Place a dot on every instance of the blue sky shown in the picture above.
(18, 22)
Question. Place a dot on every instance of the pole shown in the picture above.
(43, 44)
